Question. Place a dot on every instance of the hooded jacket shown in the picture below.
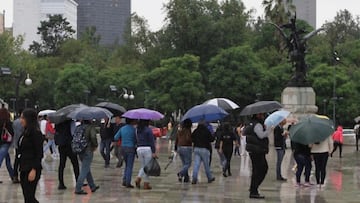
(338, 135)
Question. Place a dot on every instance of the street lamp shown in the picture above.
(127, 96)
(324, 101)
(87, 92)
(334, 98)
(28, 80)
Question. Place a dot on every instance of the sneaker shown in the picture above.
(297, 185)
(256, 196)
(307, 184)
(130, 186)
(15, 180)
(62, 187)
(180, 179)
(81, 192)
(94, 189)
(194, 182)
(211, 180)
(282, 179)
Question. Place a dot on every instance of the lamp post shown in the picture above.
(324, 102)
(26, 102)
(334, 98)
(130, 96)
(146, 92)
(87, 93)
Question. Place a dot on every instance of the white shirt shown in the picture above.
(43, 126)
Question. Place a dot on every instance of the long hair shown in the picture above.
(32, 123)
(4, 116)
(142, 125)
(187, 123)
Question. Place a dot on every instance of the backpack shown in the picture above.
(79, 142)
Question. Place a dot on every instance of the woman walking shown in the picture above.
(30, 155)
(202, 139)
(183, 145)
(49, 135)
(145, 151)
(302, 157)
(338, 140)
(6, 125)
(320, 152)
(227, 147)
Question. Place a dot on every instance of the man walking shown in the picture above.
(280, 146)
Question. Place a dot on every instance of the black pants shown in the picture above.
(357, 142)
(320, 160)
(259, 171)
(29, 188)
(228, 151)
(16, 164)
(237, 150)
(66, 151)
(336, 145)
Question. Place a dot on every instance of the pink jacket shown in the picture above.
(338, 135)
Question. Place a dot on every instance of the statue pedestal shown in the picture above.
(300, 101)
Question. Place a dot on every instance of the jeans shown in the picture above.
(4, 154)
(50, 143)
(85, 171)
(280, 156)
(201, 155)
(29, 188)
(119, 156)
(303, 161)
(222, 159)
(259, 171)
(65, 152)
(144, 155)
(129, 157)
(185, 154)
(320, 160)
(105, 150)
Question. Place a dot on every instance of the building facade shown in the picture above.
(306, 10)
(2, 22)
(29, 13)
(109, 17)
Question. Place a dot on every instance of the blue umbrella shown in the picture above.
(275, 118)
(90, 113)
(205, 112)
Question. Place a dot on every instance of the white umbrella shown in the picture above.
(46, 112)
(223, 103)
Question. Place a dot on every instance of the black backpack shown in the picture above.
(79, 142)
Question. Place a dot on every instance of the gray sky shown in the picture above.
(152, 10)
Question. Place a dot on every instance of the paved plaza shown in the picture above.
(342, 185)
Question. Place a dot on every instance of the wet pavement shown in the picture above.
(342, 183)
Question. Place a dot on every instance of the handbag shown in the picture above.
(152, 168)
(6, 136)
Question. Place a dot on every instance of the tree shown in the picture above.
(53, 33)
(278, 11)
(176, 84)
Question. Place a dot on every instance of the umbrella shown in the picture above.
(61, 115)
(114, 108)
(223, 103)
(261, 107)
(90, 113)
(46, 112)
(275, 118)
(143, 114)
(311, 129)
(357, 119)
(206, 112)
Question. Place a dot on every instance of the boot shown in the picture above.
(147, 186)
(137, 182)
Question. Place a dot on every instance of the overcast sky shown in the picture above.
(153, 12)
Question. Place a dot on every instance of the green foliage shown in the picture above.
(53, 33)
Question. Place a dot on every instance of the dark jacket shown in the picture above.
(183, 138)
(63, 135)
(145, 138)
(31, 150)
(90, 133)
(279, 139)
(300, 149)
(202, 137)
(253, 143)
(228, 138)
(106, 132)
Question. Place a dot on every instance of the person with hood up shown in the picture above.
(338, 140)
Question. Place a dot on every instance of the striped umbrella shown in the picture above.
(223, 103)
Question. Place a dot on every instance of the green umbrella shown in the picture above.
(311, 129)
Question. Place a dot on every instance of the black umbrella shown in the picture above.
(61, 115)
(112, 107)
(261, 107)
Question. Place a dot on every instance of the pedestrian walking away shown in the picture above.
(106, 134)
(280, 145)
(238, 139)
(222, 158)
(183, 146)
(227, 140)
(88, 131)
(127, 134)
(202, 140)
(338, 140)
(117, 144)
(257, 144)
(145, 151)
(302, 156)
(49, 136)
(320, 152)
(6, 140)
(30, 155)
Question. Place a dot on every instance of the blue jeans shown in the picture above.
(186, 159)
(129, 157)
(222, 159)
(4, 154)
(280, 157)
(50, 143)
(201, 155)
(145, 155)
(303, 161)
(105, 150)
(86, 159)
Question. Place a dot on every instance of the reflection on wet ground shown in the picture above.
(342, 184)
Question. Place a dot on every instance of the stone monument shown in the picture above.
(298, 97)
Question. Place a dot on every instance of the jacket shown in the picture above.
(183, 138)
(18, 131)
(30, 150)
(202, 137)
(145, 138)
(106, 132)
(322, 147)
(90, 133)
(63, 136)
(254, 144)
(127, 136)
(279, 139)
(300, 149)
(338, 135)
